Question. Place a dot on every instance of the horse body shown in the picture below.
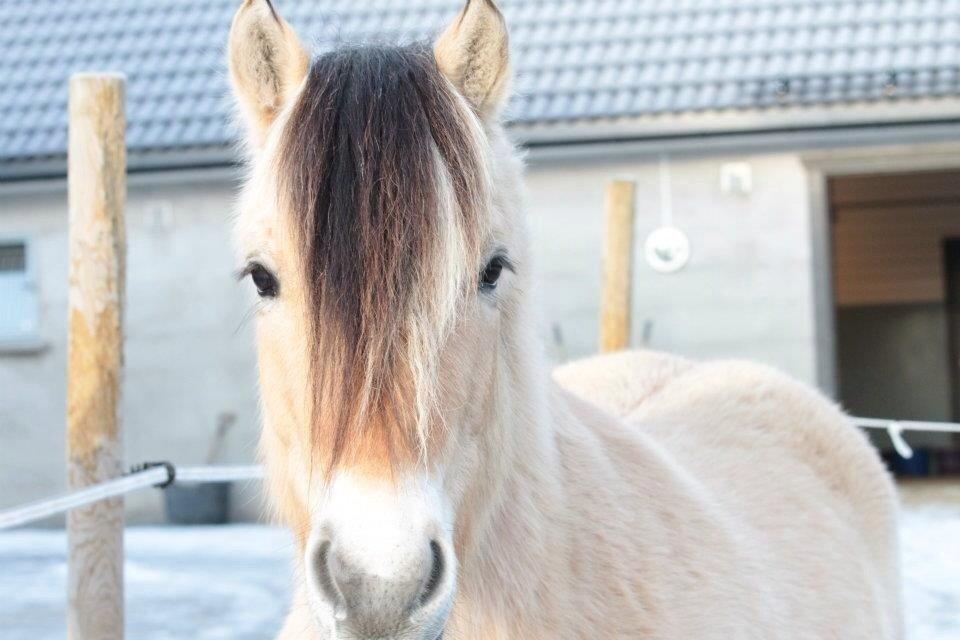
(760, 510)
(673, 499)
(435, 477)
(691, 500)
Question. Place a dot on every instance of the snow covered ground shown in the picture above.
(209, 583)
(930, 541)
(212, 583)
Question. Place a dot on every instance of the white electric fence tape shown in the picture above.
(150, 477)
(154, 476)
(895, 429)
(220, 473)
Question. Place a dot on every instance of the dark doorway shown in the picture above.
(896, 271)
(951, 272)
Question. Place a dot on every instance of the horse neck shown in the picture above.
(518, 539)
(511, 532)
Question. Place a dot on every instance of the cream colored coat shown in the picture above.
(760, 510)
(713, 500)
(638, 495)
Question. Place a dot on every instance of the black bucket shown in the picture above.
(192, 503)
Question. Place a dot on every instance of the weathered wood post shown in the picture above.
(617, 266)
(96, 168)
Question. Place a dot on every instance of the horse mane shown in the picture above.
(376, 155)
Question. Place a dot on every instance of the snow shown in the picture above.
(209, 583)
(930, 541)
(232, 582)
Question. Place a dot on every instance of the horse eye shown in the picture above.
(491, 273)
(266, 284)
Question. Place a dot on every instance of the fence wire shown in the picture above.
(895, 429)
(152, 476)
(162, 474)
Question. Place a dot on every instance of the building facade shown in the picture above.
(821, 204)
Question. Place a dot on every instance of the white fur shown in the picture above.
(646, 496)
(636, 495)
(383, 530)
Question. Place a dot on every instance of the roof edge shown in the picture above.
(870, 123)
(172, 159)
(703, 123)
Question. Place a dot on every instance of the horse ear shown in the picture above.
(267, 63)
(473, 53)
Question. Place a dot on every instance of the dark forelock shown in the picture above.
(358, 170)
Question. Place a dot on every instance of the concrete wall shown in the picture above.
(747, 292)
(189, 351)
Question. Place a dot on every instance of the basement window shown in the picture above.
(19, 303)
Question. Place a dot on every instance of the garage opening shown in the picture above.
(896, 269)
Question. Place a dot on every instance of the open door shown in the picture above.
(896, 268)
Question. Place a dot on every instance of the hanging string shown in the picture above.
(666, 201)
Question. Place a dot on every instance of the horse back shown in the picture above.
(778, 458)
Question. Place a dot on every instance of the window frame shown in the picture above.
(27, 342)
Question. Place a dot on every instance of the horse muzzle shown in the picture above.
(379, 563)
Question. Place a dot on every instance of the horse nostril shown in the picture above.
(321, 562)
(436, 572)
(373, 589)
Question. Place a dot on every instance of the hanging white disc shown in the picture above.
(667, 249)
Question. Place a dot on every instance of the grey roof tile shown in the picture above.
(582, 60)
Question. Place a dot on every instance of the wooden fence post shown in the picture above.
(617, 266)
(96, 168)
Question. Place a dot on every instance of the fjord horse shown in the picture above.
(437, 479)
